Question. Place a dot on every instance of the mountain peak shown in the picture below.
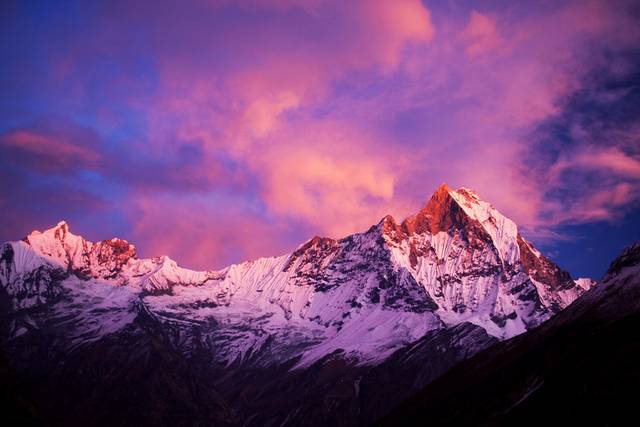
(441, 213)
(442, 189)
(58, 232)
(463, 209)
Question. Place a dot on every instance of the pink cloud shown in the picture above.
(594, 159)
(481, 35)
(316, 171)
(610, 159)
(614, 178)
(331, 177)
(599, 205)
(203, 234)
(261, 115)
(46, 144)
(261, 112)
(349, 37)
(391, 24)
(49, 151)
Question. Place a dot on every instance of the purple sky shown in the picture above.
(218, 131)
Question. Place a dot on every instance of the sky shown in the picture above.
(219, 131)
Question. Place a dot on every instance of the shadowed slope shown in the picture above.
(581, 367)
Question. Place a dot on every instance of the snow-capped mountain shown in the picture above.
(457, 260)
(366, 298)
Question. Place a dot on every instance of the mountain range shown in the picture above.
(360, 330)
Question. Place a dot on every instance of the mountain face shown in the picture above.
(579, 368)
(299, 338)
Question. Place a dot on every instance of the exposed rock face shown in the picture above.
(541, 268)
(352, 302)
(441, 214)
